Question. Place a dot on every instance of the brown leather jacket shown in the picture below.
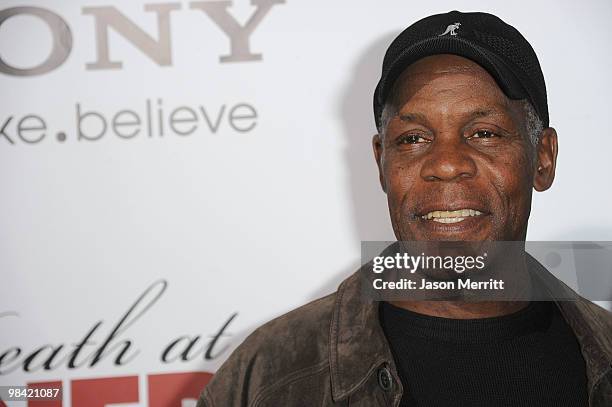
(333, 352)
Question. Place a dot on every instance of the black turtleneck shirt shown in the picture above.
(528, 358)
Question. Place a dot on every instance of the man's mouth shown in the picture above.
(454, 216)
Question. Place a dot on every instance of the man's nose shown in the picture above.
(448, 160)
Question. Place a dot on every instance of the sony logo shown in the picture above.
(157, 48)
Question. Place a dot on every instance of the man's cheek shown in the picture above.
(512, 207)
(396, 200)
(395, 207)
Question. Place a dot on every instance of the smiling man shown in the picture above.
(463, 139)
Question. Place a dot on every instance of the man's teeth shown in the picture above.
(451, 216)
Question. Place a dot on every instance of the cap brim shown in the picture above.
(503, 75)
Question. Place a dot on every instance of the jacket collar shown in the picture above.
(358, 346)
(590, 324)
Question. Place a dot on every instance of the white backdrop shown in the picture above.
(262, 207)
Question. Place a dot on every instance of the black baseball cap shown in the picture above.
(485, 39)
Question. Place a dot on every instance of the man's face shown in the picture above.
(454, 157)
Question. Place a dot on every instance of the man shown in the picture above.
(463, 138)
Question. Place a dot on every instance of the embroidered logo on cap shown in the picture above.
(451, 29)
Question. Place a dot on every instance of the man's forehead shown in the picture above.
(473, 112)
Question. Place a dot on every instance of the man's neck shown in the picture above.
(510, 266)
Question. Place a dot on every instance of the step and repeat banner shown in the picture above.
(176, 173)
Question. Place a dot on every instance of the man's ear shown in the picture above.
(378, 147)
(546, 163)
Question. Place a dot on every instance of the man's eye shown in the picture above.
(411, 139)
(483, 134)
